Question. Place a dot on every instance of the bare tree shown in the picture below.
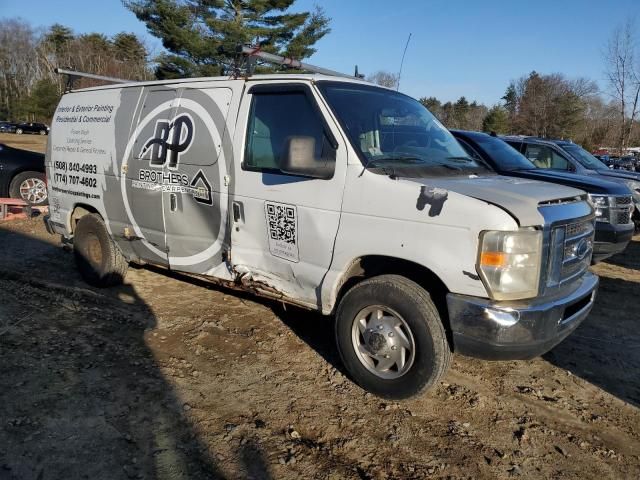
(29, 56)
(623, 77)
(18, 68)
(384, 79)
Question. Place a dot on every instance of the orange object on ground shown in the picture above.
(14, 208)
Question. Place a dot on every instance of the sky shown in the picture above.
(472, 48)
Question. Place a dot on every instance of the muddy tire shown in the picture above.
(30, 187)
(390, 337)
(98, 258)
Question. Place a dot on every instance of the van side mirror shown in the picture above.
(299, 158)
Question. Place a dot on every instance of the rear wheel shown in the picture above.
(390, 337)
(98, 258)
(30, 187)
(19, 131)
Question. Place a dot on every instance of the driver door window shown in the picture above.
(545, 157)
(274, 119)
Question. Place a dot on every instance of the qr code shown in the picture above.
(282, 222)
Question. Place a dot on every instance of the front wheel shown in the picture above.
(19, 131)
(390, 337)
(98, 258)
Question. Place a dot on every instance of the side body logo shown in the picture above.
(171, 138)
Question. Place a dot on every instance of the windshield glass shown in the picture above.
(585, 158)
(504, 155)
(395, 133)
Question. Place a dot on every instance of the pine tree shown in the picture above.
(201, 35)
(42, 102)
(128, 48)
(58, 37)
(433, 105)
(460, 109)
(497, 120)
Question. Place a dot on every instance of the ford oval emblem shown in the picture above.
(582, 248)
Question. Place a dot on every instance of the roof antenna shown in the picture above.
(402, 61)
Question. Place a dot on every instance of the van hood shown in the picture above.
(520, 197)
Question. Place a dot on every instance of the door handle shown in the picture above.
(237, 212)
(173, 202)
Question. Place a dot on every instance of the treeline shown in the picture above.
(198, 39)
(29, 87)
(549, 106)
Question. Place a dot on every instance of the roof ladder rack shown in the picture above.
(288, 61)
(73, 76)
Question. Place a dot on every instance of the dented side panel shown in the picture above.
(285, 226)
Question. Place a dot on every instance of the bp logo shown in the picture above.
(171, 138)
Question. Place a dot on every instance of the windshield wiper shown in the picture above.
(391, 158)
(467, 159)
(471, 159)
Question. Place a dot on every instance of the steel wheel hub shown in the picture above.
(383, 342)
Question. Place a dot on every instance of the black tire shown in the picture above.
(19, 179)
(42, 132)
(98, 258)
(18, 131)
(414, 305)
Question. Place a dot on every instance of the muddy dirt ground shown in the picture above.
(170, 378)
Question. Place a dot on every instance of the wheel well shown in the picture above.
(24, 170)
(79, 211)
(374, 265)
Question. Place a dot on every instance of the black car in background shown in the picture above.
(627, 163)
(612, 201)
(22, 175)
(7, 127)
(32, 127)
(562, 155)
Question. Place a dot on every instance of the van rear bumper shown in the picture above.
(492, 330)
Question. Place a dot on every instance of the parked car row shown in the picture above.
(629, 162)
(550, 161)
(24, 127)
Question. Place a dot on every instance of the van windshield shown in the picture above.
(395, 134)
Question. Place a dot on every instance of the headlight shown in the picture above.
(601, 207)
(634, 186)
(509, 263)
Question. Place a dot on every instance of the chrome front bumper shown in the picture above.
(492, 330)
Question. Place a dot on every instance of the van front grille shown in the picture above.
(571, 250)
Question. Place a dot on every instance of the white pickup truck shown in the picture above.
(332, 194)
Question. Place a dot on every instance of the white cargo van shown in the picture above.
(332, 194)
